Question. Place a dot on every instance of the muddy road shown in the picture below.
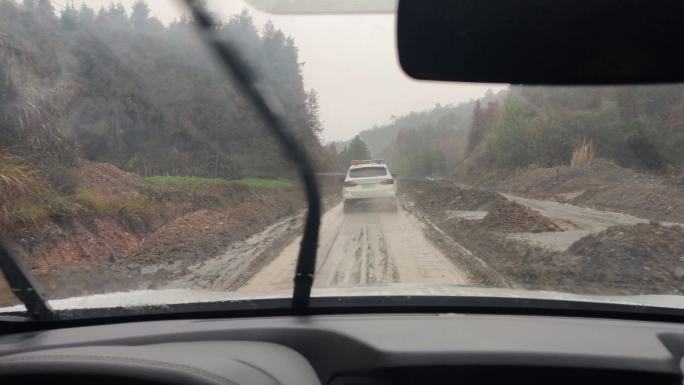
(430, 240)
(366, 247)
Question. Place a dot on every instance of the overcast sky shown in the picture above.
(350, 60)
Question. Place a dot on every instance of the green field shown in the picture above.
(195, 182)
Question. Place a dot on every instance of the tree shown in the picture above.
(140, 14)
(355, 150)
(150, 103)
(477, 128)
(69, 17)
(313, 113)
(484, 119)
(114, 16)
(45, 9)
(86, 15)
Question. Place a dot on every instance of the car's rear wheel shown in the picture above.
(346, 205)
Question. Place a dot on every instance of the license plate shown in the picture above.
(368, 185)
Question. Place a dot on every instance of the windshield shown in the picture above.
(366, 172)
(135, 171)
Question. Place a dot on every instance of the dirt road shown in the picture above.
(363, 248)
(585, 220)
(376, 247)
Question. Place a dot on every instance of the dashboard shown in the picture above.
(351, 350)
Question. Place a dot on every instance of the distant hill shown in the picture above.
(380, 138)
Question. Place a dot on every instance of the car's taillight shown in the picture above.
(349, 184)
(387, 181)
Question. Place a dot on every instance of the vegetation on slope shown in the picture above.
(125, 89)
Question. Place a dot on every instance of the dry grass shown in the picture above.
(114, 205)
(583, 154)
(19, 186)
(27, 200)
(17, 177)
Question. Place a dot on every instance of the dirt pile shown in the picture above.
(512, 217)
(441, 197)
(123, 232)
(107, 179)
(601, 185)
(647, 256)
(74, 241)
(445, 195)
(105, 214)
(165, 254)
(206, 233)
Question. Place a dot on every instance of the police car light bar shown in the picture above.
(368, 161)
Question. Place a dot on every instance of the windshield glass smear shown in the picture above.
(134, 172)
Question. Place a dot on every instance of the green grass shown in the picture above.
(264, 183)
(184, 181)
(191, 182)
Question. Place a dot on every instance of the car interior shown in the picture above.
(392, 340)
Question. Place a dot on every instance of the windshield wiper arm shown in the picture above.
(24, 286)
(232, 62)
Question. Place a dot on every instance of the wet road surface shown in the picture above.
(365, 247)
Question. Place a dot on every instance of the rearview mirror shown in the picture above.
(542, 41)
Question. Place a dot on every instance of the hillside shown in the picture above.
(122, 144)
(637, 127)
(111, 87)
(427, 142)
(380, 138)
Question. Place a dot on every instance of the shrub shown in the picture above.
(63, 179)
(583, 154)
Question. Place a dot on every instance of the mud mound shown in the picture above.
(192, 236)
(646, 255)
(602, 185)
(86, 240)
(546, 182)
(513, 217)
(445, 195)
(204, 233)
(107, 179)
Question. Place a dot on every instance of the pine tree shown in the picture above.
(477, 128)
(140, 14)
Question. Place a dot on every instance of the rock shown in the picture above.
(114, 257)
(679, 272)
(134, 268)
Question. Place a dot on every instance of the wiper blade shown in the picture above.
(24, 287)
(231, 59)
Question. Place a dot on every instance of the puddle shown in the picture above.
(472, 215)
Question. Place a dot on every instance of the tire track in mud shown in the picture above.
(237, 265)
(371, 263)
(367, 248)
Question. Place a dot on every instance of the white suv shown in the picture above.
(369, 181)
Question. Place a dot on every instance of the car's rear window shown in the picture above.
(367, 172)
